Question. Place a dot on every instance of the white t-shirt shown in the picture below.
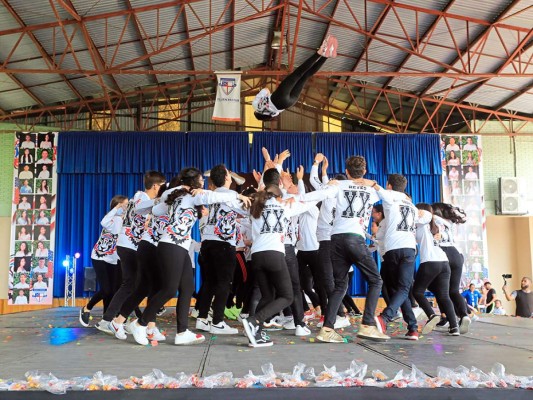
(221, 224)
(453, 175)
(471, 176)
(400, 220)
(44, 174)
(40, 285)
(21, 300)
(353, 207)
(470, 147)
(105, 248)
(41, 253)
(446, 232)
(45, 145)
(182, 214)
(25, 175)
(429, 248)
(452, 147)
(21, 285)
(133, 222)
(327, 209)
(263, 105)
(44, 161)
(454, 162)
(39, 270)
(307, 228)
(269, 229)
(24, 206)
(27, 145)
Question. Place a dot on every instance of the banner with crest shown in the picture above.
(228, 98)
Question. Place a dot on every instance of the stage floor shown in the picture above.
(53, 341)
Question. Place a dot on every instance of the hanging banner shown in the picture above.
(31, 269)
(462, 181)
(228, 99)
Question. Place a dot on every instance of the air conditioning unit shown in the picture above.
(512, 196)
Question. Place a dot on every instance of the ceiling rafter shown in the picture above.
(526, 89)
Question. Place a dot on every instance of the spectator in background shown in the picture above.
(453, 160)
(498, 308)
(490, 298)
(471, 175)
(472, 297)
(27, 143)
(523, 297)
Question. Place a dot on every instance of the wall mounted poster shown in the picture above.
(31, 268)
(462, 182)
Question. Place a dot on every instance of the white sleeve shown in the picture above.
(297, 208)
(144, 207)
(329, 193)
(301, 186)
(325, 179)
(386, 195)
(313, 178)
(160, 209)
(425, 218)
(108, 222)
(210, 197)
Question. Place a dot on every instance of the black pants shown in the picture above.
(289, 90)
(348, 299)
(109, 278)
(274, 282)
(176, 268)
(456, 261)
(435, 276)
(309, 261)
(241, 285)
(128, 266)
(218, 261)
(326, 272)
(399, 268)
(348, 249)
(148, 278)
(297, 307)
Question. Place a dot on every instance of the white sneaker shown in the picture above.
(272, 325)
(203, 325)
(139, 333)
(118, 330)
(223, 329)
(341, 322)
(302, 331)
(155, 334)
(188, 337)
(127, 326)
(103, 326)
(464, 325)
(289, 325)
(284, 320)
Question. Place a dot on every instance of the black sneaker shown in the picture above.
(454, 332)
(161, 311)
(443, 323)
(85, 317)
(261, 339)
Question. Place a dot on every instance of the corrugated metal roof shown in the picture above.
(247, 45)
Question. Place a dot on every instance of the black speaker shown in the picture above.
(89, 279)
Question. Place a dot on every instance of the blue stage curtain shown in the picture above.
(121, 152)
(299, 143)
(413, 154)
(339, 146)
(207, 149)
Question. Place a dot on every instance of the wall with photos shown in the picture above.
(6, 194)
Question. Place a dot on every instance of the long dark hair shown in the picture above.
(116, 200)
(188, 177)
(260, 198)
(450, 212)
(432, 225)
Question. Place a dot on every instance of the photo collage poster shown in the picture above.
(462, 183)
(31, 268)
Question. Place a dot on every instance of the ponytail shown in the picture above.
(260, 198)
(432, 225)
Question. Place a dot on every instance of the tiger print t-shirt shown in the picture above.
(182, 214)
(133, 223)
(221, 224)
(105, 248)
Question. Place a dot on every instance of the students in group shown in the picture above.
(104, 258)
(433, 273)
(218, 255)
(133, 226)
(181, 204)
(348, 246)
(445, 216)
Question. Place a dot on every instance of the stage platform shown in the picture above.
(53, 341)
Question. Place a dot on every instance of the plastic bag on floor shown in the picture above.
(222, 379)
(293, 380)
(102, 382)
(48, 382)
(268, 379)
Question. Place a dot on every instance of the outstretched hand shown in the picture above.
(196, 192)
(246, 201)
(319, 158)
(283, 156)
(286, 179)
(300, 172)
(266, 155)
(257, 176)
(325, 166)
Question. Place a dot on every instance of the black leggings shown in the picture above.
(148, 280)
(274, 283)
(108, 277)
(241, 285)
(456, 261)
(310, 274)
(434, 275)
(289, 90)
(347, 300)
(128, 266)
(219, 265)
(176, 268)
